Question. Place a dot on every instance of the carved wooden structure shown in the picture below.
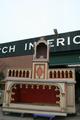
(40, 89)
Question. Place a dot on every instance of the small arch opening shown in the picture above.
(58, 74)
(27, 74)
(70, 74)
(66, 74)
(62, 74)
(23, 73)
(13, 73)
(20, 73)
(55, 74)
(50, 74)
(17, 73)
(9, 73)
(41, 50)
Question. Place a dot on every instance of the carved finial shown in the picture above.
(42, 39)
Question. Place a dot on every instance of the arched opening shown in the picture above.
(36, 94)
(55, 74)
(70, 74)
(41, 51)
(62, 74)
(58, 74)
(13, 73)
(27, 74)
(23, 73)
(50, 74)
(17, 73)
(9, 73)
(66, 74)
(20, 73)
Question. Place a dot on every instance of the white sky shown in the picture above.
(22, 19)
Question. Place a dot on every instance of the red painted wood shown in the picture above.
(34, 95)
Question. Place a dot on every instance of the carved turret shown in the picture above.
(40, 59)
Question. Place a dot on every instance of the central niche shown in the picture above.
(41, 51)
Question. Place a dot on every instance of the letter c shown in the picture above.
(74, 39)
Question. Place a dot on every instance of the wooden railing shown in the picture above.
(52, 73)
(61, 74)
(19, 73)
